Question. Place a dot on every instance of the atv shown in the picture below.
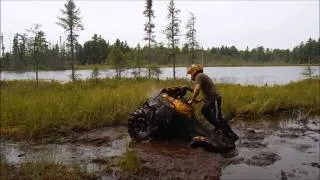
(167, 115)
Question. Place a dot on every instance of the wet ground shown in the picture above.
(267, 149)
(286, 149)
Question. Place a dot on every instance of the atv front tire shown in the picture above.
(139, 127)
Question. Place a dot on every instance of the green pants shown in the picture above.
(197, 127)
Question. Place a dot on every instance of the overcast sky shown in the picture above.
(272, 24)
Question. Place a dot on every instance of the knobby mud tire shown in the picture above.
(139, 127)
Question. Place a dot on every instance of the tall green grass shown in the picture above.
(32, 112)
(252, 101)
(130, 162)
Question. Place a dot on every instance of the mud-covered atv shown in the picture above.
(167, 115)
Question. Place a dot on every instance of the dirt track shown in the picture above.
(286, 149)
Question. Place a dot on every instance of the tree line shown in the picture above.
(98, 50)
(31, 50)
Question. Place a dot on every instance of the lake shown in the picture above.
(236, 75)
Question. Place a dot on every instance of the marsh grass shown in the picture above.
(130, 162)
(32, 113)
(53, 109)
(41, 170)
(252, 101)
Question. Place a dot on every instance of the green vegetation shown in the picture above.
(40, 170)
(117, 58)
(308, 72)
(148, 28)
(130, 162)
(70, 21)
(95, 74)
(54, 109)
(191, 36)
(32, 112)
(38, 46)
(86, 57)
(172, 32)
(252, 101)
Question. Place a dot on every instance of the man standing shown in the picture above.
(211, 109)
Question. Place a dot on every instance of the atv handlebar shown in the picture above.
(179, 92)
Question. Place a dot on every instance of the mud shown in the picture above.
(285, 149)
(179, 161)
(82, 149)
(276, 149)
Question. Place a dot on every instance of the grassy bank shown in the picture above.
(55, 109)
(252, 101)
(30, 112)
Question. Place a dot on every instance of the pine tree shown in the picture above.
(308, 71)
(117, 59)
(172, 31)
(70, 21)
(148, 28)
(19, 50)
(38, 46)
(191, 36)
(95, 51)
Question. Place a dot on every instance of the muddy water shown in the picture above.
(267, 149)
(288, 149)
(80, 150)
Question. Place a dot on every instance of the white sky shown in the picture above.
(272, 24)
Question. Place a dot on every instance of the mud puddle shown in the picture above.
(286, 149)
(276, 149)
(85, 150)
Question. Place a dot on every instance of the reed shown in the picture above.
(130, 162)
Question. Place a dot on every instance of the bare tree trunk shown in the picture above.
(173, 55)
(34, 58)
(71, 43)
(192, 53)
(149, 62)
(149, 36)
(37, 70)
(192, 56)
(174, 64)
(139, 68)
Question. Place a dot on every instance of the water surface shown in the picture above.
(236, 75)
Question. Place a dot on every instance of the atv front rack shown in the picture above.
(176, 92)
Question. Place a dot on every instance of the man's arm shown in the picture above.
(196, 91)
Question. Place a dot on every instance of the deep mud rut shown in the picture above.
(267, 149)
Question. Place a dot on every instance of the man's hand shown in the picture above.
(197, 101)
(196, 91)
